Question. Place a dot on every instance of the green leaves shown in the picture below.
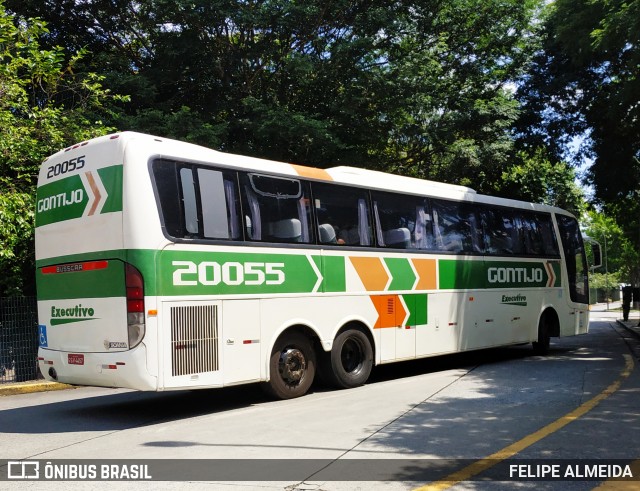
(44, 106)
(17, 258)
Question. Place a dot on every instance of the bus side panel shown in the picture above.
(242, 342)
(190, 343)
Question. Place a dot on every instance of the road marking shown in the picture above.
(509, 451)
(625, 484)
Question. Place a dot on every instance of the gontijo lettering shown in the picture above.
(515, 275)
(60, 200)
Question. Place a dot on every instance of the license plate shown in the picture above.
(75, 359)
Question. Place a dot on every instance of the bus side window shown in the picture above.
(345, 211)
(190, 206)
(498, 231)
(402, 221)
(220, 205)
(530, 236)
(169, 195)
(549, 239)
(276, 209)
(457, 227)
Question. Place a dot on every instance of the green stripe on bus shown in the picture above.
(69, 198)
(479, 274)
(229, 273)
(402, 274)
(60, 200)
(112, 180)
(417, 305)
(333, 272)
(178, 273)
(100, 283)
(456, 274)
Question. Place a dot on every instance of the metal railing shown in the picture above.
(18, 339)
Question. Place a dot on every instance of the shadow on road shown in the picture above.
(130, 409)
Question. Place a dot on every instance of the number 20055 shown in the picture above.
(66, 166)
(211, 273)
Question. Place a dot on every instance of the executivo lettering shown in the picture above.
(515, 275)
(67, 315)
(518, 299)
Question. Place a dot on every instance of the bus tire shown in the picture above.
(541, 346)
(351, 359)
(292, 366)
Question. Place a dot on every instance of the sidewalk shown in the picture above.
(32, 386)
(631, 325)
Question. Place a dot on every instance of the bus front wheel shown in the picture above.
(292, 366)
(541, 346)
(351, 359)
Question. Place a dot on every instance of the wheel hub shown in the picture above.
(292, 365)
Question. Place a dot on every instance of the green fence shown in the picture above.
(18, 339)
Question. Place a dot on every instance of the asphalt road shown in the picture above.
(477, 411)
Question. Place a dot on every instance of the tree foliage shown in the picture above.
(415, 87)
(425, 88)
(539, 178)
(583, 89)
(44, 106)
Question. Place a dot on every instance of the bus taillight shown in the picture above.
(135, 305)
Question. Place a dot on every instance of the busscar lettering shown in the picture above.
(69, 268)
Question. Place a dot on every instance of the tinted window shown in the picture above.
(275, 209)
(508, 231)
(500, 233)
(343, 215)
(188, 188)
(575, 258)
(169, 197)
(456, 227)
(197, 202)
(402, 221)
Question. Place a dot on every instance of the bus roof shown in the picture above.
(175, 149)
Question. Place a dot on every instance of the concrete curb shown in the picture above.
(30, 387)
(631, 326)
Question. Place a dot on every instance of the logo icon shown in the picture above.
(23, 470)
(42, 336)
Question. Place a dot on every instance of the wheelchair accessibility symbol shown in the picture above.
(43, 336)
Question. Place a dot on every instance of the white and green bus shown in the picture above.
(165, 265)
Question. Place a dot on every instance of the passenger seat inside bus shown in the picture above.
(287, 230)
(327, 234)
(398, 237)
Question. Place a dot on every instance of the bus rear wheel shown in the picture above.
(351, 359)
(292, 367)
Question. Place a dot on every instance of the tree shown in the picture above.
(418, 87)
(584, 88)
(538, 178)
(44, 107)
(622, 259)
